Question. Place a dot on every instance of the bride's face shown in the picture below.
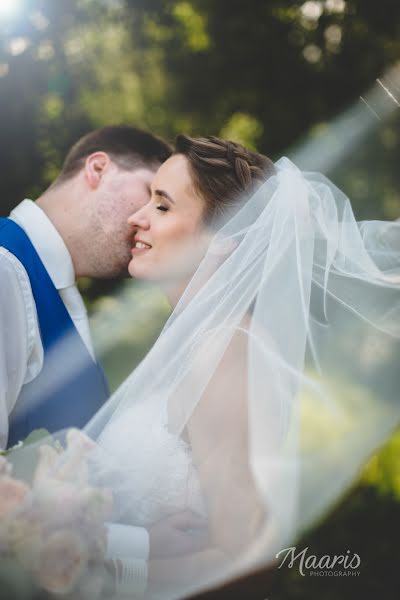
(168, 239)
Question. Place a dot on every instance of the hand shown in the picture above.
(181, 533)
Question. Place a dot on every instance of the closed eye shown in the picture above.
(162, 207)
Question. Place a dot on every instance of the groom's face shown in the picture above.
(120, 194)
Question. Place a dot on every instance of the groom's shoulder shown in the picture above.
(12, 270)
(8, 261)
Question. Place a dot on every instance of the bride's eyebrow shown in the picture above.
(164, 194)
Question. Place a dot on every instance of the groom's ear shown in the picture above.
(96, 165)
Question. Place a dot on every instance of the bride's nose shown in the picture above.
(140, 218)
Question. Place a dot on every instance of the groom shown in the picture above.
(49, 377)
(78, 227)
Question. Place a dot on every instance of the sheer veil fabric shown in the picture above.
(275, 378)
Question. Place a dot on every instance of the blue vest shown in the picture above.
(70, 387)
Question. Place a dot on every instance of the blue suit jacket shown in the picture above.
(71, 387)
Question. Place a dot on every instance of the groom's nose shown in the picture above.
(139, 219)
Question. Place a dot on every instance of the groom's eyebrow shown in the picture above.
(164, 195)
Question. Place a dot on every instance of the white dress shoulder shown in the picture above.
(156, 476)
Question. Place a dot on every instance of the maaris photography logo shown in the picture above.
(339, 565)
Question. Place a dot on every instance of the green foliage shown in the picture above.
(266, 74)
(365, 523)
(194, 26)
(383, 469)
(243, 129)
(125, 327)
(16, 583)
(196, 66)
(25, 456)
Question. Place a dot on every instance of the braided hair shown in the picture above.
(222, 171)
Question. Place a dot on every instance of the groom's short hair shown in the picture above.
(129, 147)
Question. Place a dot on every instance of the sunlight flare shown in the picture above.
(9, 8)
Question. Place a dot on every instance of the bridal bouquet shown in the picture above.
(52, 528)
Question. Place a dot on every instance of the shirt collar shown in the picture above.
(47, 241)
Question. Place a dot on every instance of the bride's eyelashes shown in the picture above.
(162, 207)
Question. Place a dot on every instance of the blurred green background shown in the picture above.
(269, 74)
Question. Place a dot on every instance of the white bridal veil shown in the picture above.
(274, 379)
(278, 371)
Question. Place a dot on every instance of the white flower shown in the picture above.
(12, 495)
(63, 560)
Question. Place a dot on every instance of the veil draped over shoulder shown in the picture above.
(276, 376)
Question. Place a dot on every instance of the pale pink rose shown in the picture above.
(12, 495)
(72, 464)
(76, 438)
(68, 465)
(45, 467)
(98, 546)
(92, 584)
(4, 541)
(58, 502)
(97, 503)
(5, 467)
(27, 544)
(63, 561)
(56, 499)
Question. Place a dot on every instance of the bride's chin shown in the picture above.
(169, 273)
(137, 271)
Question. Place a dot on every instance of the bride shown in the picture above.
(274, 378)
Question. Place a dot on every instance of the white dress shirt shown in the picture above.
(21, 349)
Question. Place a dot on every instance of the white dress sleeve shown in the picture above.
(125, 541)
(21, 351)
(130, 547)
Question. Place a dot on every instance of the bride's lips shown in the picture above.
(139, 247)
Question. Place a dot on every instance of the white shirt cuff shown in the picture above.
(125, 541)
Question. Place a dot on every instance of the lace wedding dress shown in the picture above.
(159, 470)
(319, 391)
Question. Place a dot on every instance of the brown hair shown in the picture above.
(222, 171)
(128, 147)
